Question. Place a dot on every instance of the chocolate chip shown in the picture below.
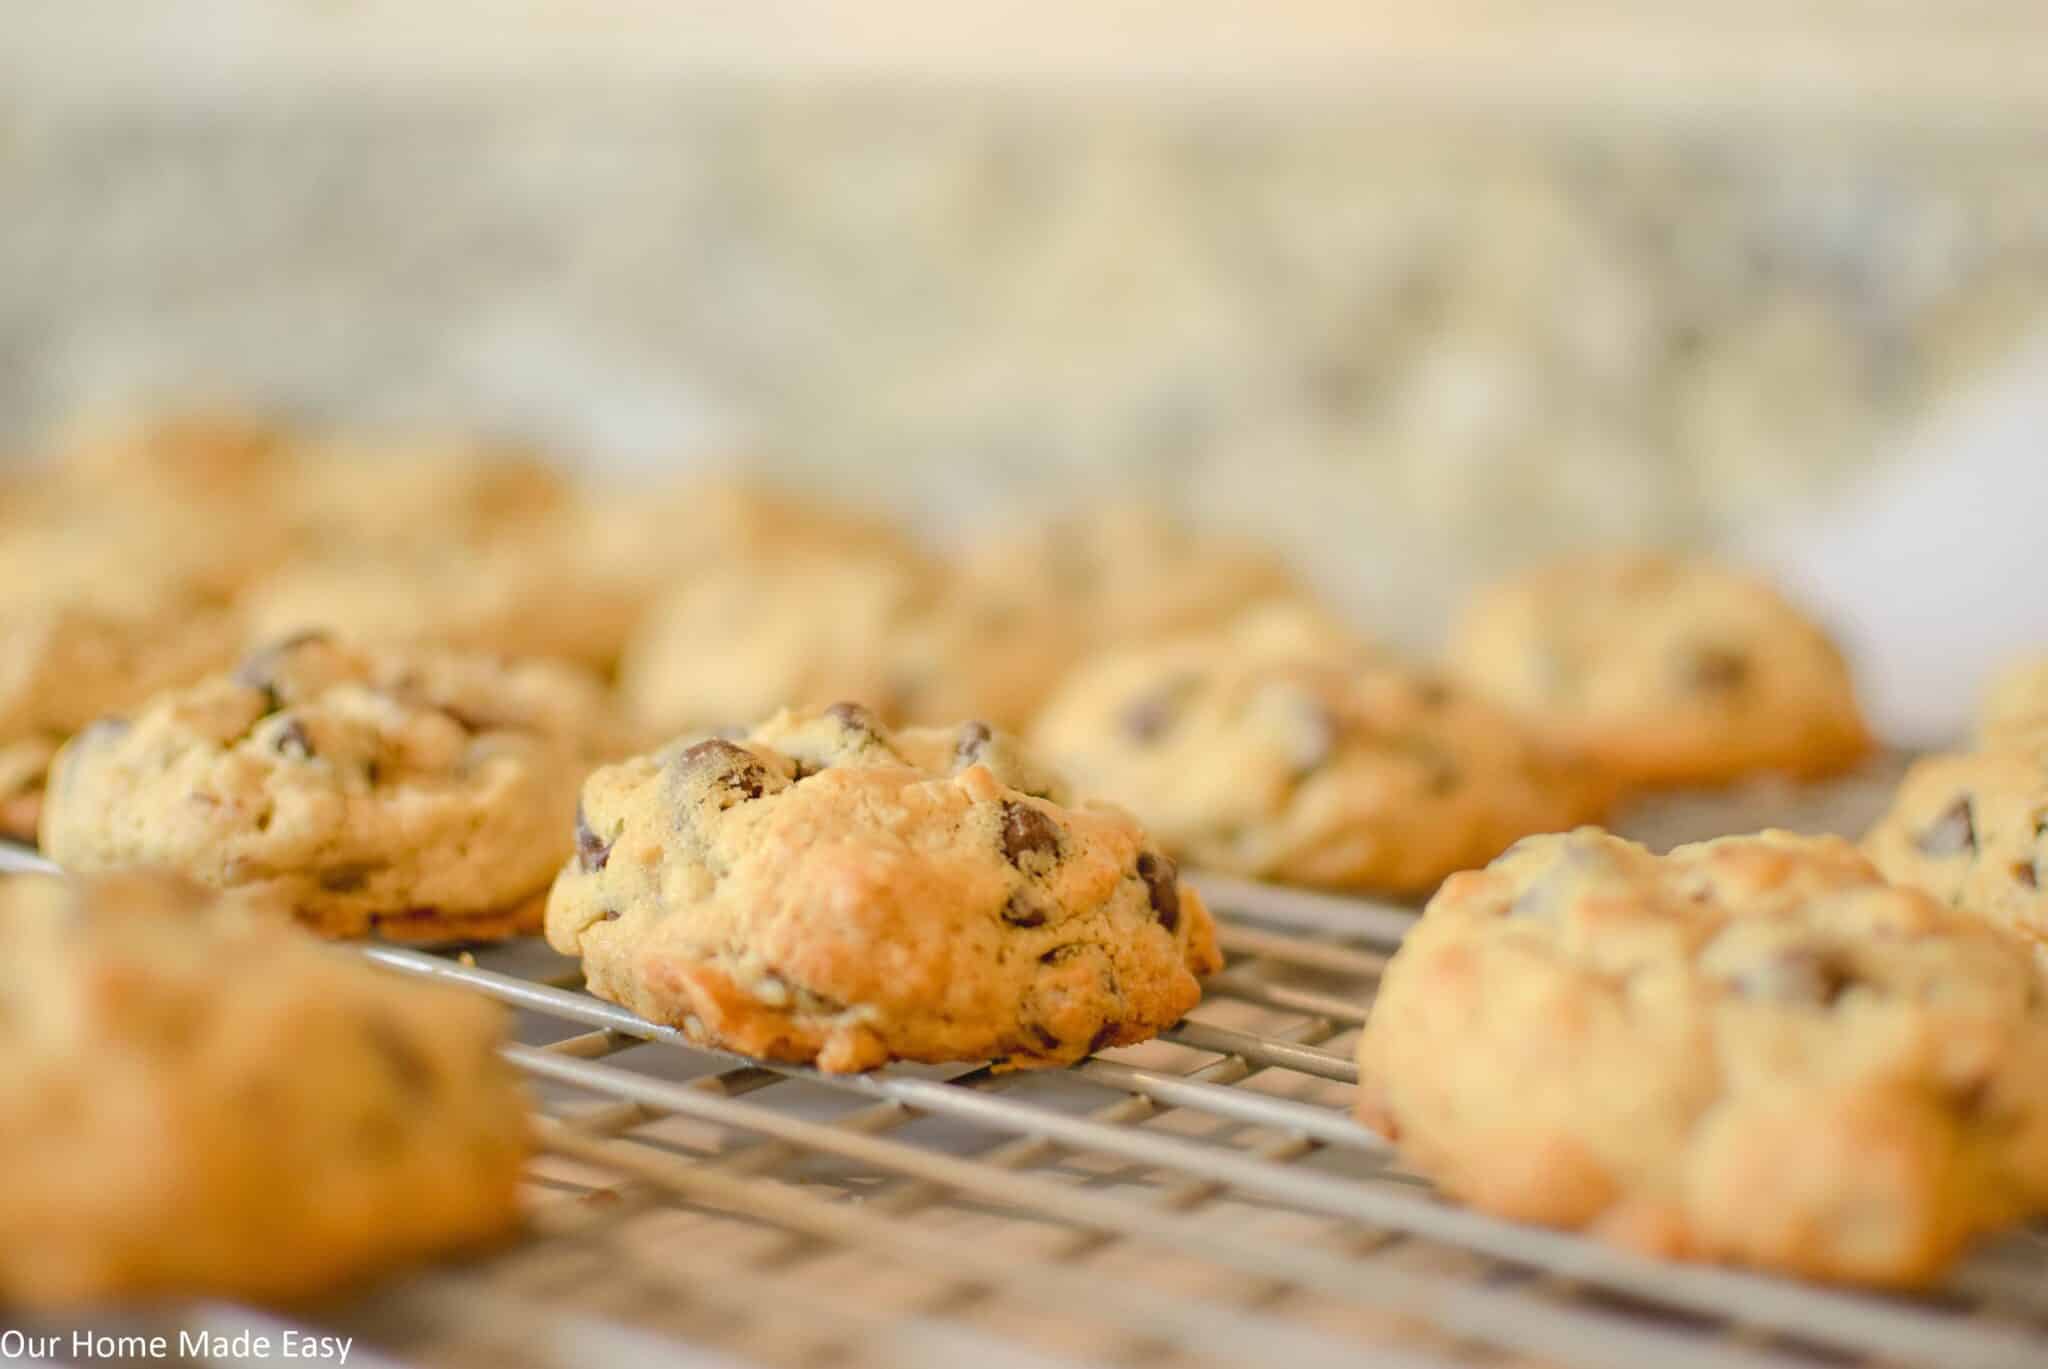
(2026, 874)
(1715, 669)
(1104, 1034)
(1800, 975)
(1057, 954)
(591, 851)
(1951, 834)
(347, 879)
(292, 742)
(852, 716)
(611, 915)
(1162, 883)
(1147, 717)
(1021, 910)
(973, 743)
(257, 671)
(740, 770)
(1026, 831)
(1045, 1037)
(408, 1065)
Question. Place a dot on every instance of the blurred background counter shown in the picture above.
(1421, 295)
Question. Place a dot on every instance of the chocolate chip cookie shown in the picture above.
(62, 665)
(1971, 828)
(199, 1100)
(829, 890)
(515, 600)
(1274, 749)
(1123, 573)
(418, 795)
(1669, 673)
(734, 642)
(1751, 1050)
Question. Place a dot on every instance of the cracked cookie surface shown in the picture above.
(1752, 1049)
(198, 1099)
(826, 889)
(1279, 749)
(1664, 671)
(421, 795)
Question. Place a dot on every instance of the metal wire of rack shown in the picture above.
(1204, 1198)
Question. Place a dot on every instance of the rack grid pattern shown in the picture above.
(1205, 1198)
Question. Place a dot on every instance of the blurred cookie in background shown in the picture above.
(1123, 574)
(1280, 748)
(1972, 829)
(355, 495)
(1667, 672)
(197, 1099)
(739, 639)
(513, 600)
(417, 794)
(63, 665)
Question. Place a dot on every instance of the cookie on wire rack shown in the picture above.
(1751, 1050)
(418, 795)
(825, 889)
(1668, 673)
(197, 1099)
(1279, 749)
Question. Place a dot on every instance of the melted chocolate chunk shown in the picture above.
(1951, 834)
(1801, 975)
(973, 744)
(591, 851)
(1045, 1037)
(1026, 831)
(292, 741)
(1716, 670)
(1023, 911)
(347, 879)
(2025, 873)
(1162, 883)
(1147, 717)
(258, 671)
(1104, 1034)
(740, 771)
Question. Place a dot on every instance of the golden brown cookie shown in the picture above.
(1751, 1050)
(1280, 750)
(418, 795)
(198, 1100)
(1122, 574)
(1971, 828)
(1666, 672)
(735, 641)
(62, 666)
(825, 889)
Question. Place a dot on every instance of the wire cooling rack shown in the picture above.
(1205, 1198)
